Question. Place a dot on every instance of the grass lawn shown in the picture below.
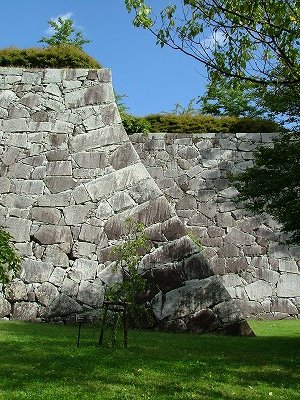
(41, 361)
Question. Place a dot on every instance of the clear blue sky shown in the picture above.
(154, 79)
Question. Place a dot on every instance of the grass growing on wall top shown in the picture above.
(170, 123)
(63, 56)
(41, 361)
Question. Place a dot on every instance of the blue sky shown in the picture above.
(153, 79)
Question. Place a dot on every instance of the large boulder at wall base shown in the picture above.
(190, 297)
(62, 306)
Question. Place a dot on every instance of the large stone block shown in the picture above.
(97, 94)
(62, 306)
(46, 214)
(91, 294)
(17, 291)
(53, 234)
(77, 214)
(46, 293)
(90, 159)
(57, 184)
(5, 307)
(288, 285)
(19, 228)
(258, 290)
(55, 200)
(25, 311)
(195, 296)
(56, 256)
(35, 271)
(60, 168)
(123, 156)
(83, 270)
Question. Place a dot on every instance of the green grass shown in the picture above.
(41, 361)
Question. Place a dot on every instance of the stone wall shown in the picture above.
(69, 179)
(244, 249)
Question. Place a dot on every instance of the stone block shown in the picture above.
(83, 270)
(288, 285)
(195, 296)
(173, 229)
(15, 125)
(62, 306)
(120, 201)
(19, 171)
(55, 200)
(123, 156)
(97, 94)
(5, 307)
(267, 275)
(4, 184)
(93, 122)
(46, 293)
(11, 155)
(61, 168)
(90, 159)
(110, 275)
(102, 187)
(70, 287)
(93, 234)
(91, 294)
(80, 195)
(53, 234)
(225, 220)
(195, 267)
(35, 271)
(284, 306)
(288, 266)
(258, 290)
(53, 76)
(167, 277)
(145, 190)
(57, 184)
(16, 291)
(187, 202)
(29, 187)
(19, 228)
(57, 277)
(228, 312)
(24, 311)
(46, 214)
(77, 214)
(56, 256)
(236, 236)
(86, 250)
(7, 97)
(236, 264)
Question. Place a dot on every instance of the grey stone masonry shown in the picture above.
(245, 250)
(69, 179)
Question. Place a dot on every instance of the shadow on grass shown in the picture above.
(40, 358)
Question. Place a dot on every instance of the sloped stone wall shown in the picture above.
(245, 250)
(69, 179)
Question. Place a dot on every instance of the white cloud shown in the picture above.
(216, 38)
(67, 15)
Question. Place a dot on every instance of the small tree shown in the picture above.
(9, 260)
(129, 254)
(63, 31)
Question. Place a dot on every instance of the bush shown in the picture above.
(170, 123)
(134, 124)
(9, 259)
(63, 56)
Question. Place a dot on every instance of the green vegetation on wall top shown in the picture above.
(62, 56)
(170, 123)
